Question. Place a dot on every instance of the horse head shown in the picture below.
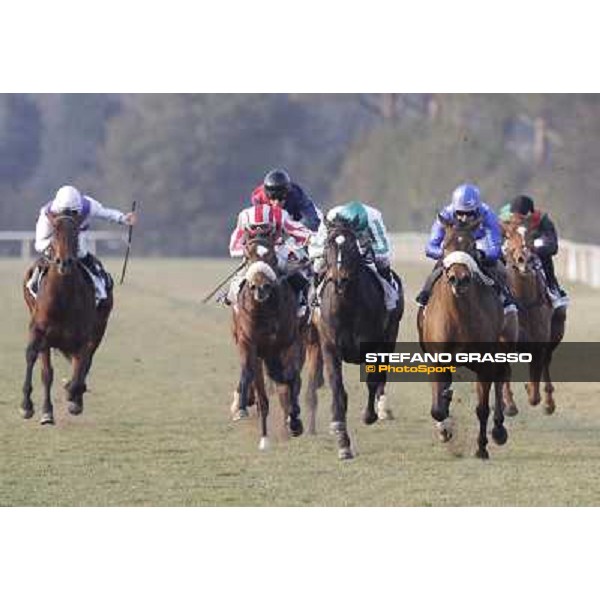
(517, 247)
(460, 252)
(259, 245)
(342, 252)
(261, 280)
(65, 241)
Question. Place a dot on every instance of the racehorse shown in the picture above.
(460, 312)
(539, 322)
(352, 312)
(63, 316)
(266, 330)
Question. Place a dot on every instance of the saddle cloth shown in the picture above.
(100, 289)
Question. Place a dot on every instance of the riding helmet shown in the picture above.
(277, 184)
(66, 198)
(522, 205)
(466, 198)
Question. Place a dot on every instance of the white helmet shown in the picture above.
(67, 198)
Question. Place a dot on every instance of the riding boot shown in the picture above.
(424, 294)
(548, 266)
(497, 272)
(299, 284)
(95, 266)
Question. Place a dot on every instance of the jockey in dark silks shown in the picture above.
(467, 206)
(545, 240)
(278, 189)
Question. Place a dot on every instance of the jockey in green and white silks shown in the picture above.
(373, 241)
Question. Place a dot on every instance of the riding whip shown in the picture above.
(128, 246)
(222, 283)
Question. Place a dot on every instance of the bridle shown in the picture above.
(343, 237)
(49, 256)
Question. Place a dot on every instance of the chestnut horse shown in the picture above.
(267, 332)
(539, 322)
(464, 308)
(63, 316)
(352, 312)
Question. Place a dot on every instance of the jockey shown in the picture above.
(545, 238)
(291, 239)
(67, 199)
(466, 205)
(373, 241)
(278, 189)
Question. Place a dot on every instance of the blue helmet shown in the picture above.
(466, 198)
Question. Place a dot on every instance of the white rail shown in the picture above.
(26, 238)
(574, 262)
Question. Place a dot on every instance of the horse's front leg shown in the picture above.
(76, 387)
(31, 354)
(248, 359)
(314, 380)
(370, 415)
(483, 413)
(510, 407)
(47, 379)
(499, 433)
(339, 405)
(440, 406)
(535, 376)
(549, 404)
(262, 404)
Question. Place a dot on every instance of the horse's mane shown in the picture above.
(263, 268)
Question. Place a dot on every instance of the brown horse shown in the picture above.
(267, 332)
(538, 321)
(460, 312)
(352, 312)
(64, 316)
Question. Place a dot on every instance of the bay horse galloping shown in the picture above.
(266, 329)
(460, 312)
(352, 312)
(63, 316)
(539, 322)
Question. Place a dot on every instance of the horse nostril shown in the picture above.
(452, 279)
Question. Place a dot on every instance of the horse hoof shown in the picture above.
(549, 408)
(296, 427)
(241, 414)
(511, 410)
(444, 429)
(47, 419)
(383, 412)
(235, 405)
(369, 417)
(27, 413)
(500, 435)
(75, 408)
(482, 453)
(264, 443)
(345, 454)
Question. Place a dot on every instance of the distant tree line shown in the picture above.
(191, 160)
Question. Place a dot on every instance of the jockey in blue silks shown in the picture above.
(466, 205)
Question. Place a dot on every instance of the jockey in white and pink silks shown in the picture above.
(69, 199)
(291, 239)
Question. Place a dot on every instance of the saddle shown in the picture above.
(100, 279)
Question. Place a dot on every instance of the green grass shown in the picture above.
(156, 427)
